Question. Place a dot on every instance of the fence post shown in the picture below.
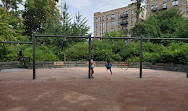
(34, 56)
(141, 42)
(187, 63)
(89, 58)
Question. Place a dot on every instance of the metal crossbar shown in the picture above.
(89, 48)
(15, 42)
(86, 37)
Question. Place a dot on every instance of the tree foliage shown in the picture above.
(139, 7)
(138, 10)
(11, 29)
(10, 4)
(35, 14)
(164, 24)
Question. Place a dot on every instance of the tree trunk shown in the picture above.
(138, 7)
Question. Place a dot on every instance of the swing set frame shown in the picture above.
(89, 48)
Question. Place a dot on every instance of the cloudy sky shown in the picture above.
(88, 7)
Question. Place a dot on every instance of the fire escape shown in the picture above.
(124, 22)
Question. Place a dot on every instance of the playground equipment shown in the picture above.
(89, 49)
(124, 65)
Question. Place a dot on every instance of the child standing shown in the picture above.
(92, 68)
(21, 56)
(108, 66)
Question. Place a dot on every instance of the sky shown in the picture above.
(87, 8)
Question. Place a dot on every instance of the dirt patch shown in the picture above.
(62, 89)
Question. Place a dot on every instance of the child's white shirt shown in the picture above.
(92, 63)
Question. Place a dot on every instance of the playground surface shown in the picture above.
(65, 89)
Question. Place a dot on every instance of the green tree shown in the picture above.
(8, 4)
(79, 26)
(35, 14)
(11, 29)
(164, 24)
(57, 25)
(138, 10)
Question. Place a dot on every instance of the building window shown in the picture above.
(96, 19)
(112, 29)
(175, 3)
(164, 5)
(126, 28)
(100, 32)
(132, 12)
(151, 7)
(118, 29)
(103, 18)
(106, 17)
(123, 28)
(118, 22)
(96, 26)
(100, 19)
(142, 14)
(118, 15)
(113, 16)
(100, 25)
(96, 33)
(126, 12)
(155, 7)
(187, 1)
(131, 19)
(112, 23)
(186, 10)
(131, 26)
(106, 24)
(106, 30)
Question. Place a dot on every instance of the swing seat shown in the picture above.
(122, 64)
(59, 64)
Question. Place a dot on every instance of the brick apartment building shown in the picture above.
(117, 19)
(158, 5)
(124, 18)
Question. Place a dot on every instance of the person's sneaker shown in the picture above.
(92, 77)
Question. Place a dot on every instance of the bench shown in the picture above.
(59, 64)
(122, 64)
